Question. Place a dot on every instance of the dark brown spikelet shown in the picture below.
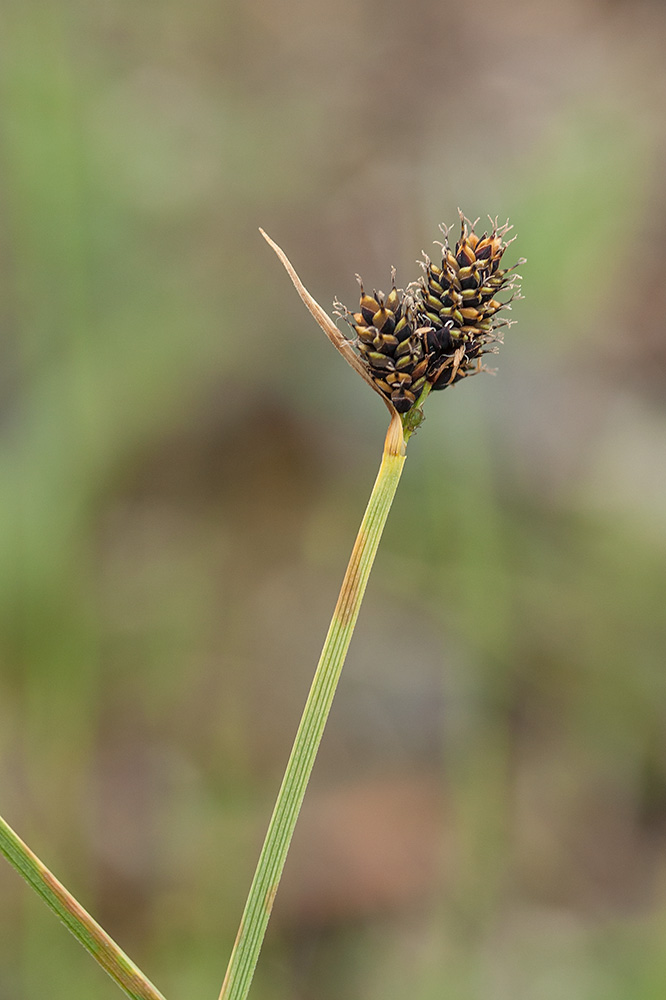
(459, 303)
(390, 343)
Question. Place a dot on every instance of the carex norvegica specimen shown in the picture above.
(405, 343)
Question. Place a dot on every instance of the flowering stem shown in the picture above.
(86, 930)
(290, 797)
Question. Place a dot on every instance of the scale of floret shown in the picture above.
(390, 343)
(458, 300)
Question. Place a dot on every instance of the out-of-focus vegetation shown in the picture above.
(184, 461)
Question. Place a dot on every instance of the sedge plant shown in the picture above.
(404, 345)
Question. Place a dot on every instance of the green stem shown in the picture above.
(290, 797)
(86, 930)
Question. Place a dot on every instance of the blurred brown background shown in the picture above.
(184, 461)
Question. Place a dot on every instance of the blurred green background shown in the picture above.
(184, 461)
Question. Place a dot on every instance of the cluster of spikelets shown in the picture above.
(438, 329)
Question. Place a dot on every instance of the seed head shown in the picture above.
(437, 330)
(430, 335)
